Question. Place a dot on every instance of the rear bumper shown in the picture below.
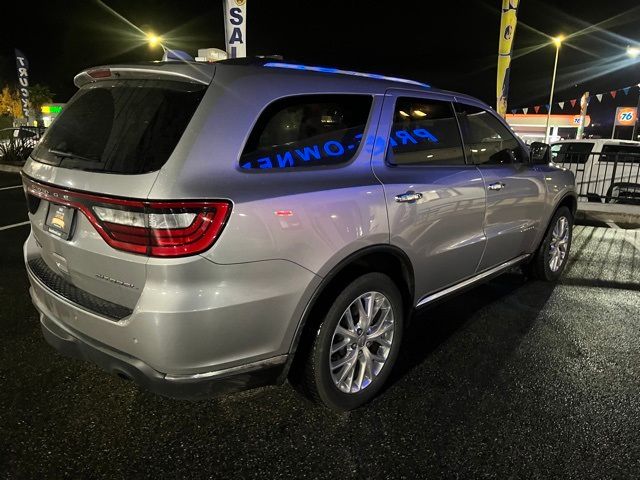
(177, 345)
(193, 318)
(192, 387)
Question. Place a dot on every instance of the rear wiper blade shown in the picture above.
(61, 154)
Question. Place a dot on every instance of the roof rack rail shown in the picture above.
(295, 66)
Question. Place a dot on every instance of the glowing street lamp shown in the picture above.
(633, 52)
(154, 40)
(167, 53)
(557, 41)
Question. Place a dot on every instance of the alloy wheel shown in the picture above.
(361, 342)
(559, 243)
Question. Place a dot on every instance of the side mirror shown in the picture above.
(540, 153)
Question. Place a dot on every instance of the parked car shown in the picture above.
(24, 132)
(605, 170)
(17, 143)
(202, 228)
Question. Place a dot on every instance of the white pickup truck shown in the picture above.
(605, 170)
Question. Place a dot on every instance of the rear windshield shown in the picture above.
(121, 126)
(571, 152)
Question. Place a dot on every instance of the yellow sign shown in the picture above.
(508, 23)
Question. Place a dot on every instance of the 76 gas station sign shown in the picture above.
(626, 116)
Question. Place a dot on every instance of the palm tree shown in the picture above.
(39, 95)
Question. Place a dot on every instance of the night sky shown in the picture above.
(448, 44)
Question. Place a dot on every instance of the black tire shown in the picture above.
(624, 199)
(316, 375)
(539, 267)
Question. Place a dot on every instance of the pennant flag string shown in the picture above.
(574, 101)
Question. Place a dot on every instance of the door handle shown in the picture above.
(408, 197)
(496, 186)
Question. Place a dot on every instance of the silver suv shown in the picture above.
(202, 228)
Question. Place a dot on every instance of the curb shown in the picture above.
(10, 168)
(608, 212)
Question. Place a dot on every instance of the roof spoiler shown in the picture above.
(183, 71)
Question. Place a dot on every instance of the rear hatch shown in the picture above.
(88, 180)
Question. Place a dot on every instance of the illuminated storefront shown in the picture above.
(50, 112)
(531, 127)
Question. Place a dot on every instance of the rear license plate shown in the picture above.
(60, 220)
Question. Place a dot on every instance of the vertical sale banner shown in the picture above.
(508, 22)
(22, 66)
(235, 27)
(584, 104)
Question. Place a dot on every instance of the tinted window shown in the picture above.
(571, 152)
(424, 132)
(620, 153)
(486, 139)
(307, 131)
(122, 126)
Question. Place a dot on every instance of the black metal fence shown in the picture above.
(604, 177)
(17, 143)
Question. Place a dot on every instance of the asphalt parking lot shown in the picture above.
(514, 379)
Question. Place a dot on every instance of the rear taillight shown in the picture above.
(162, 229)
(153, 228)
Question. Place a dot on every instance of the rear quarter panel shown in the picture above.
(560, 183)
(333, 211)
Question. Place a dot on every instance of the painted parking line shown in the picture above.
(11, 188)
(7, 227)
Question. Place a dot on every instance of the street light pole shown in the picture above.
(557, 41)
(633, 53)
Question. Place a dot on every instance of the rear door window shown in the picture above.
(486, 139)
(121, 126)
(307, 131)
(571, 152)
(620, 153)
